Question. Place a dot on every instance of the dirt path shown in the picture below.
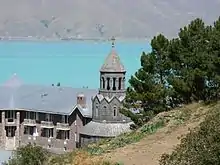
(149, 150)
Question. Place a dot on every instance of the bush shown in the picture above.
(200, 147)
(28, 155)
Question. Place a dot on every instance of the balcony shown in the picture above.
(10, 122)
(29, 122)
(63, 126)
(47, 124)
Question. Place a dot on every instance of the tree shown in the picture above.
(214, 71)
(149, 84)
(180, 70)
(28, 155)
(191, 61)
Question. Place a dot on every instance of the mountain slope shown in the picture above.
(122, 18)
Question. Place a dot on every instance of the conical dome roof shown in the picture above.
(112, 62)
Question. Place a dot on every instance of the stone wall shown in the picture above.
(104, 110)
(85, 140)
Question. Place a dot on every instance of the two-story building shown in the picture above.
(63, 118)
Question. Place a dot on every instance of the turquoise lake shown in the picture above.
(74, 64)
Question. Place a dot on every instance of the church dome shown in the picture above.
(112, 62)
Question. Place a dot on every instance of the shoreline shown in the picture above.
(35, 39)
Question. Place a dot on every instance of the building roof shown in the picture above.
(112, 62)
(48, 99)
(102, 129)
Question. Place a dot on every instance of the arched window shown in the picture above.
(103, 83)
(114, 84)
(104, 108)
(96, 110)
(115, 111)
(119, 83)
(108, 83)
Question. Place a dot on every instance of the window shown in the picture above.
(119, 83)
(10, 115)
(114, 84)
(115, 111)
(108, 83)
(63, 135)
(66, 134)
(97, 111)
(48, 117)
(65, 119)
(31, 115)
(103, 82)
(104, 108)
(48, 132)
(29, 130)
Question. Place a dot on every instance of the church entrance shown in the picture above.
(10, 131)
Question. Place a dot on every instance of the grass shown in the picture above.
(79, 158)
(170, 119)
(124, 139)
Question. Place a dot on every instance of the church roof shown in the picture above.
(112, 62)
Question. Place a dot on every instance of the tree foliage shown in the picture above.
(180, 70)
(28, 155)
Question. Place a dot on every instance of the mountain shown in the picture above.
(101, 18)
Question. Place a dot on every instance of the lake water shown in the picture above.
(73, 64)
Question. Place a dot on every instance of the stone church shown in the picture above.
(106, 119)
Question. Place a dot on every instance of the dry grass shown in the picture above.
(148, 150)
(84, 158)
(146, 145)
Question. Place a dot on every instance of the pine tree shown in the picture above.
(149, 84)
(190, 61)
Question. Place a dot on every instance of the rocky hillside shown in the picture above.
(101, 18)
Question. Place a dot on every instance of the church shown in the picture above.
(63, 118)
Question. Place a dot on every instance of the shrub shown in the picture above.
(28, 155)
(200, 147)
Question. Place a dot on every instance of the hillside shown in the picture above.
(149, 150)
(101, 18)
(145, 146)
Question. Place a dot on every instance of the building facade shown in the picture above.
(63, 118)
